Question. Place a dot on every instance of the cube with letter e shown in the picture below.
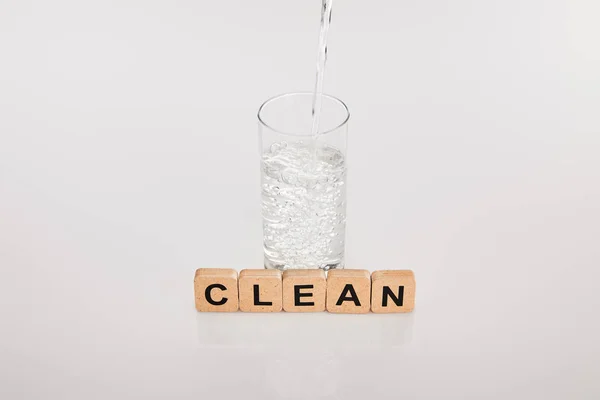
(393, 291)
(304, 290)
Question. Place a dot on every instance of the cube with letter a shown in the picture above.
(348, 291)
(393, 291)
(216, 289)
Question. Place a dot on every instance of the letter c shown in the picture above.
(207, 294)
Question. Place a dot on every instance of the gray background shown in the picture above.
(129, 158)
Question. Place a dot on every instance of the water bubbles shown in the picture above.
(303, 178)
(275, 147)
(303, 213)
(289, 176)
(299, 192)
(271, 171)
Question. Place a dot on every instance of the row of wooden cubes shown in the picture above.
(346, 291)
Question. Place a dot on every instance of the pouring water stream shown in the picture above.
(321, 61)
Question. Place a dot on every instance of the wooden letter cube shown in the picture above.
(393, 291)
(260, 290)
(304, 290)
(216, 289)
(348, 291)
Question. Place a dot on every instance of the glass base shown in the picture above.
(269, 264)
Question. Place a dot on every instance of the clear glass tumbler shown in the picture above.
(303, 182)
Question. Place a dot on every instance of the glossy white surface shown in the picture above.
(128, 158)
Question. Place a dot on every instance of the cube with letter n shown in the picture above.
(393, 291)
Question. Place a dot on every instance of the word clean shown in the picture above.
(344, 291)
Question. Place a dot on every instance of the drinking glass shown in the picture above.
(303, 179)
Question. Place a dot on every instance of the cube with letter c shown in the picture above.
(216, 289)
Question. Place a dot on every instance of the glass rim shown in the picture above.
(283, 95)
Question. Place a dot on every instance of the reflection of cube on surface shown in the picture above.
(216, 289)
(393, 291)
(304, 290)
(348, 291)
(260, 290)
